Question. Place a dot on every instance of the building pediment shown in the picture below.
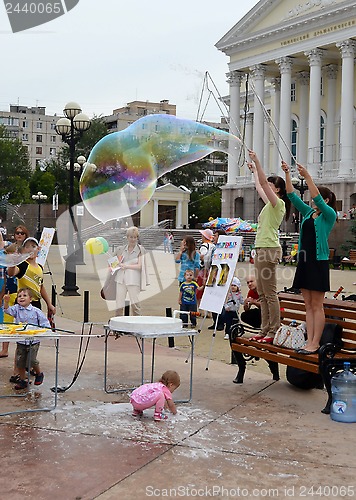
(278, 18)
(169, 188)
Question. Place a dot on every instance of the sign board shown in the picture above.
(80, 210)
(45, 243)
(221, 272)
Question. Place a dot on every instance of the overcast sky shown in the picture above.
(105, 53)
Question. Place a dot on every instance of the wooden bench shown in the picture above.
(327, 362)
(350, 260)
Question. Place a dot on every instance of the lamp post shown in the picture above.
(300, 185)
(71, 128)
(39, 198)
(79, 254)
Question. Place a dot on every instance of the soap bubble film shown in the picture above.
(121, 174)
(13, 259)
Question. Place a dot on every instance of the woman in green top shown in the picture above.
(272, 190)
(312, 276)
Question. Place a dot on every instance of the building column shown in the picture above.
(258, 75)
(234, 79)
(180, 215)
(347, 49)
(330, 72)
(266, 137)
(276, 111)
(155, 212)
(314, 57)
(285, 68)
(303, 88)
(248, 141)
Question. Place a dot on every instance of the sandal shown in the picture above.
(257, 338)
(266, 340)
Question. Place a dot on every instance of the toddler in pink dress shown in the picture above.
(158, 394)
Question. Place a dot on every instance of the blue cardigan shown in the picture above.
(323, 223)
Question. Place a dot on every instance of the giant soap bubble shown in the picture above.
(121, 174)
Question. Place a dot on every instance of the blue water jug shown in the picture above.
(343, 389)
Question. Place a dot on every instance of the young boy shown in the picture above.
(30, 274)
(232, 305)
(25, 312)
(188, 297)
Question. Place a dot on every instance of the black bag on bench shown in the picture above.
(307, 380)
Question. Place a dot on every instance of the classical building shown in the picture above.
(34, 129)
(292, 96)
(168, 203)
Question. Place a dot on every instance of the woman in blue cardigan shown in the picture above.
(312, 276)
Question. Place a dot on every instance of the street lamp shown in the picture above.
(300, 185)
(71, 128)
(193, 221)
(39, 198)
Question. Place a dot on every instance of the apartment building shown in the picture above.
(121, 118)
(35, 129)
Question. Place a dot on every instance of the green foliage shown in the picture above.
(350, 244)
(14, 166)
(205, 202)
(97, 131)
(188, 175)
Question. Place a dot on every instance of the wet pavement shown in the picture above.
(262, 439)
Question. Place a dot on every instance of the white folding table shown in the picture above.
(148, 328)
(16, 337)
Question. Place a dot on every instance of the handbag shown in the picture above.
(291, 337)
(108, 292)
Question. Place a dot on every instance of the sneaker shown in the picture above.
(137, 413)
(226, 336)
(39, 379)
(22, 384)
(211, 327)
(159, 416)
(14, 379)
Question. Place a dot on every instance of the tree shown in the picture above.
(57, 167)
(350, 243)
(43, 181)
(15, 169)
(205, 202)
(97, 131)
(189, 175)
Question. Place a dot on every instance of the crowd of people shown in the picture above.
(22, 289)
(261, 308)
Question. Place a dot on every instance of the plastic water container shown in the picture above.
(343, 389)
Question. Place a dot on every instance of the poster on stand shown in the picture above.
(45, 243)
(221, 272)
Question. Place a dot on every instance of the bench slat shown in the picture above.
(279, 357)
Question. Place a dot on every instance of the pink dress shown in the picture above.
(149, 395)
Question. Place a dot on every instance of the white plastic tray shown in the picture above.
(145, 324)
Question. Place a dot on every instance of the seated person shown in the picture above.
(252, 307)
(231, 307)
